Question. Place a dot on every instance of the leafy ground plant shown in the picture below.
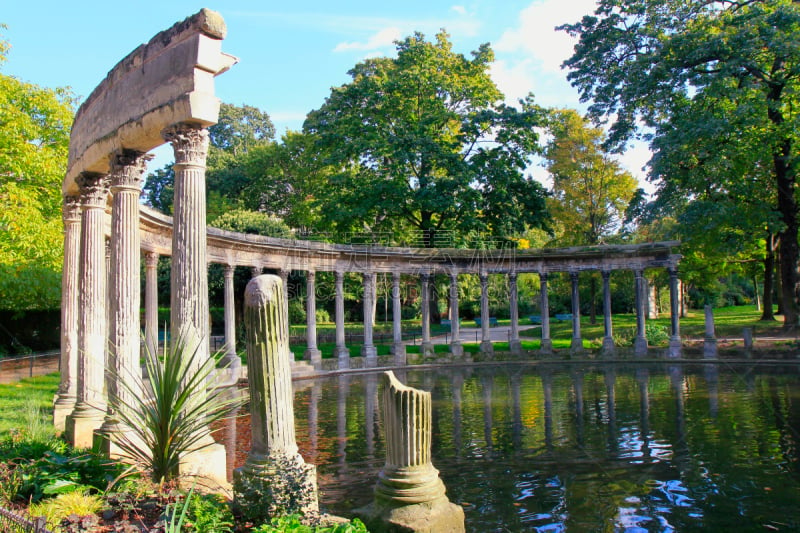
(172, 415)
(57, 509)
(295, 524)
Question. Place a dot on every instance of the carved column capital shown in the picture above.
(543, 277)
(189, 141)
(573, 275)
(311, 275)
(227, 270)
(71, 210)
(606, 274)
(512, 277)
(151, 259)
(127, 168)
(94, 189)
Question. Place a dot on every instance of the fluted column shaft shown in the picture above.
(398, 348)
(608, 335)
(674, 315)
(341, 352)
(151, 301)
(127, 168)
(640, 342)
(514, 343)
(231, 358)
(426, 347)
(486, 340)
(312, 353)
(368, 350)
(189, 275)
(547, 343)
(577, 342)
(455, 325)
(91, 402)
(70, 278)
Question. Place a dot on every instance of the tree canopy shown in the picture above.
(34, 141)
(424, 138)
(727, 73)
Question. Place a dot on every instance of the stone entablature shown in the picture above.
(167, 81)
(238, 249)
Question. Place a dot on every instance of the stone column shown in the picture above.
(284, 275)
(576, 346)
(230, 358)
(368, 350)
(398, 348)
(409, 495)
(189, 277)
(456, 348)
(640, 342)
(151, 302)
(710, 340)
(486, 346)
(341, 352)
(127, 168)
(312, 353)
(68, 364)
(674, 349)
(273, 451)
(547, 343)
(514, 343)
(91, 402)
(426, 348)
(608, 348)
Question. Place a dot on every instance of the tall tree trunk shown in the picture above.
(769, 270)
(787, 205)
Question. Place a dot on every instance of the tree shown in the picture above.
(422, 141)
(642, 62)
(590, 191)
(34, 141)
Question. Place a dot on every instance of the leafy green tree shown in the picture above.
(648, 63)
(422, 141)
(590, 191)
(34, 141)
(253, 222)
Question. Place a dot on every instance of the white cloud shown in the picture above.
(461, 10)
(536, 37)
(383, 38)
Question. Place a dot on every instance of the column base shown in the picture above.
(398, 349)
(674, 351)
(370, 354)
(63, 406)
(81, 426)
(515, 346)
(576, 346)
(427, 349)
(457, 349)
(546, 347)
(313, 356)
(640, 346)
(438, 516)
(486, 348)
(710, 350)
(208, 463)
(258, 497)
(608, 349)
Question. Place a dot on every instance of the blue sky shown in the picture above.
(291, 54)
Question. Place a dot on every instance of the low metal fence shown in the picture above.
(13, 523)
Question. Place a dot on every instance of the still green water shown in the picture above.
(579, 448)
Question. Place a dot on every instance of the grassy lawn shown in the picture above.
(17, 399)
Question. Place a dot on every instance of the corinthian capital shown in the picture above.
(189, 141)
(71, 210)
(94, 189)
(127, 167)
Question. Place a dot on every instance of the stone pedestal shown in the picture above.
(274, 479)
(409, 496)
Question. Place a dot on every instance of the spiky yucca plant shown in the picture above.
(168, 415)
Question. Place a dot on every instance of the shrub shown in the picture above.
(656, 334)
(55, 510)
(295, 523)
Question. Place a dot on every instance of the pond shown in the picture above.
(699, 447)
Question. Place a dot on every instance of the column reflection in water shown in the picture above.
(643, 380)
(577, 387)
(370, 399)
(457, 383)
(487, 385)
(313, 420)
(711, 373)
(681, 457)
(610, 379)
(516, 385)
(547, 387)
(341, 420)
